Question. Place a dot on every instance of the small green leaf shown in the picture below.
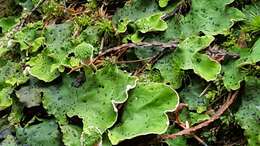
(27, 37)
(84, 51)
(12, 73)
(91, 35)
(206, 67)
(135, 10)
(16, 113)
(136, 37)
(57, 36)
(45, 134)
(9, 141)
(26, 4)
(198, 117)
(189, 47)
(188, 57)
(208, 17)
(6, 23)
(3, 50)
(71, 135)
(170, 70)
(142, 16)
(47, 65)
(44, 67)
(5, 100)
(254, 56)
(37, 43)
(151, 23)
(191, 95)
(30, 96)
(163, 3)
(122, 26)
(145, 110)
(233, 75)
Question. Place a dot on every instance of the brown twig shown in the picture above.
(133, 45)
(75, 68)
(180, 107)
(193, 135)
(119, 50)
(190, 131)
(152, 61)
(132, 61)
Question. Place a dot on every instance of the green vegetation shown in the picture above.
(130, 72)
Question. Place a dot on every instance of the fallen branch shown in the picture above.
(190, 131)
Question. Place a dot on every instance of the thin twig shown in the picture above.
(132, 61)
(119, 50)
(194, 135)
(133, 45)
(75, 68)
(120, 53)
(152, 61)
(205, 90)
(190, 131)
(102, 44)
(180, 107)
